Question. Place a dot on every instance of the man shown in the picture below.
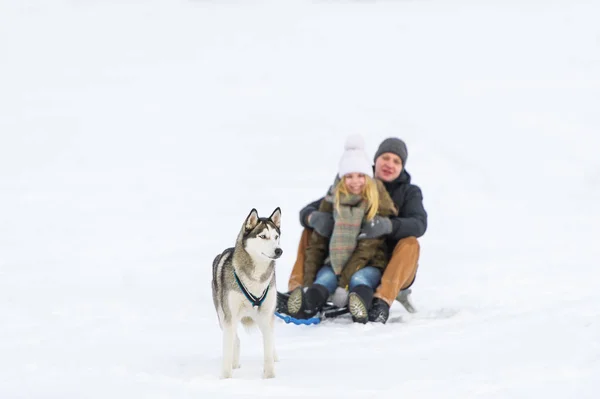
(401, 232)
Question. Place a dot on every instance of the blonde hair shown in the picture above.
(369, 193)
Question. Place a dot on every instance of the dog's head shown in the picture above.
(261, 235)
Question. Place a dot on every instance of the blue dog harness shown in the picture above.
(255, 301)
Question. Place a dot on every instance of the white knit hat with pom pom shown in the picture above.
(355, 159)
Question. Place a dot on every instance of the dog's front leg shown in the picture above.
(236, 352)
(275, 355)
(229, 335)
(266, 328)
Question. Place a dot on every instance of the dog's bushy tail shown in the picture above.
(215, 266)
(227, 253)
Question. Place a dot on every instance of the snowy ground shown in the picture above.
(136, 136)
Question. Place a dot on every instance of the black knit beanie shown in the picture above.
(395, 146)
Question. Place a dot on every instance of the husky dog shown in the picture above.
(243, 288)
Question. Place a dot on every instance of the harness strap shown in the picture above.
(255, 301)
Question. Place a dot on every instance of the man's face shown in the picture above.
(388, 167)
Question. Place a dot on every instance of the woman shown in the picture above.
(344, 263)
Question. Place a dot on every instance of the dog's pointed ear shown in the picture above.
(276, 217)
(251, 220)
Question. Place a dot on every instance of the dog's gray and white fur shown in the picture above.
(252, 260)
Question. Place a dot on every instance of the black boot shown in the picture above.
(314, 298)
(282, 300)
(380, 311)
(303, 305)
(295, 303)
(359, 303)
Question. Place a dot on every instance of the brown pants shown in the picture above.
(399, 273)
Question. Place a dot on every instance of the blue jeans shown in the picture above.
(368, 275)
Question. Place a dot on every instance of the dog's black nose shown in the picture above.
(278, 252)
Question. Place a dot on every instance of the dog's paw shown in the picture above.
(236, 365)
(269, 374)
(226, 374)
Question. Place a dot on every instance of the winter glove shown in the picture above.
(322, 222)
(340, 297)
(379, 226)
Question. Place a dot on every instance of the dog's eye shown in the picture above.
(277, 237)
(262, 236)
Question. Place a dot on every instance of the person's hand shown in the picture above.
(321, 222)
(377, 227)
(340, 297)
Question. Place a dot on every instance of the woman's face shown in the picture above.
(355, 182)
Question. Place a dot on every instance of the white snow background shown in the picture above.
(135, 137)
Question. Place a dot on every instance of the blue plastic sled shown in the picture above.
(289, 319)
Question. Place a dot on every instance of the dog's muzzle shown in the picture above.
(278, 252)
